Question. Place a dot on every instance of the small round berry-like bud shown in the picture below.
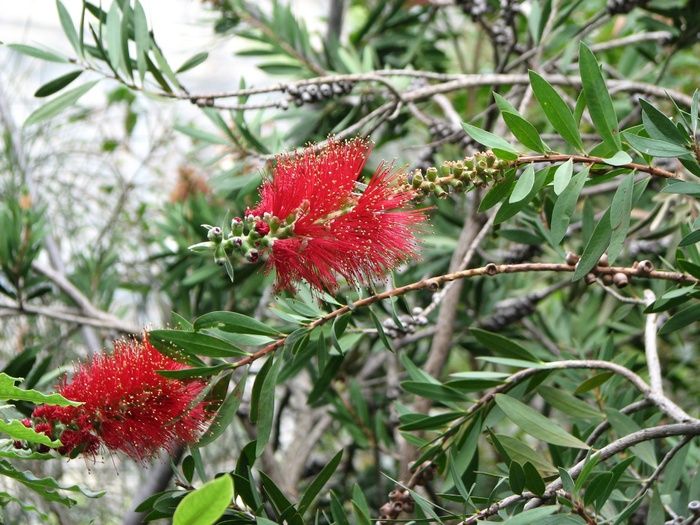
(262, 228)
(395, 495)
(491, 269)
(385, 511)
(694, 507)
(431, 173)
(433, 285)
(607, 279)
(603, 261)
(325, 90)
(645, 266)
(620, 280)
(458, 168)
(572, 258)
(398, 507)
(215, 234)
(408, 506)
(590, 278)
(252, 256)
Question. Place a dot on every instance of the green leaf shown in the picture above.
(68, 27)
(695, 111)
(57, 84)
(623, 425)
(494, 142)
(600, 106)
(531, 516)
(566, 204)
(15, 429)
(225, 414)
(8, 390)
(620, 158)
(35, 52)
(522, 453)
(501, 345)
(141, 38)
(233, 322)
(205, 505)
(48, 488)
(597, 244)
(556, 110)
(319, 481)
(682, 188)
(593, 382)
(654, 147)
(681, 319)
(568, 404)
(194, 343)
(193, 62)
(524, 132)
(659, 126)
(266, 405)
(523, 185)
(498, 192)
(516, 477)
(535, 424)
(188, 373)
(510, 209)
(620, 212)
(692, 238)
(562, 176)
(533, 480)
(114, 37)
(58, 104)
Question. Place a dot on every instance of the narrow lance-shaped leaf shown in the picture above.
(620, 211)
(598, 101)
(58, 104)
(57, 84)
(566, 204)
(141, 38)
(523, 185)
(535, 424)
(562, 176)
(598, 243)
(500, 146)
(556, 110)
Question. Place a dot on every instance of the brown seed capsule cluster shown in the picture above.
(477, 170)
(308, 93)
(619, 279)
(400, 500)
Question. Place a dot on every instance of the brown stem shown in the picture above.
(489, 270)
(585, 159)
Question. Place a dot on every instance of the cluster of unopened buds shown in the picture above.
(480, 169)
(400, 499)
(619, 279)
(408, 324)
(248, 236)
(307, 93)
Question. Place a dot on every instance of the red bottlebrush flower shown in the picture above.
(127, 407)
(338, 232)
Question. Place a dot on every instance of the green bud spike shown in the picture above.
(431, 173)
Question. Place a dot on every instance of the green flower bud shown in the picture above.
(431, 174)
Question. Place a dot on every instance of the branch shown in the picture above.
(434, 283)
(650, 350)
(110, 323)
(620, 445)
(585, 159)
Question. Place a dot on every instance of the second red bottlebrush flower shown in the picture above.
(126, 405)
(337, 230)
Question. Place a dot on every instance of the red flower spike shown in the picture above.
(338, 232)
(127, 407)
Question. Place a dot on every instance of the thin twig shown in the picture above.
(650, 349)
